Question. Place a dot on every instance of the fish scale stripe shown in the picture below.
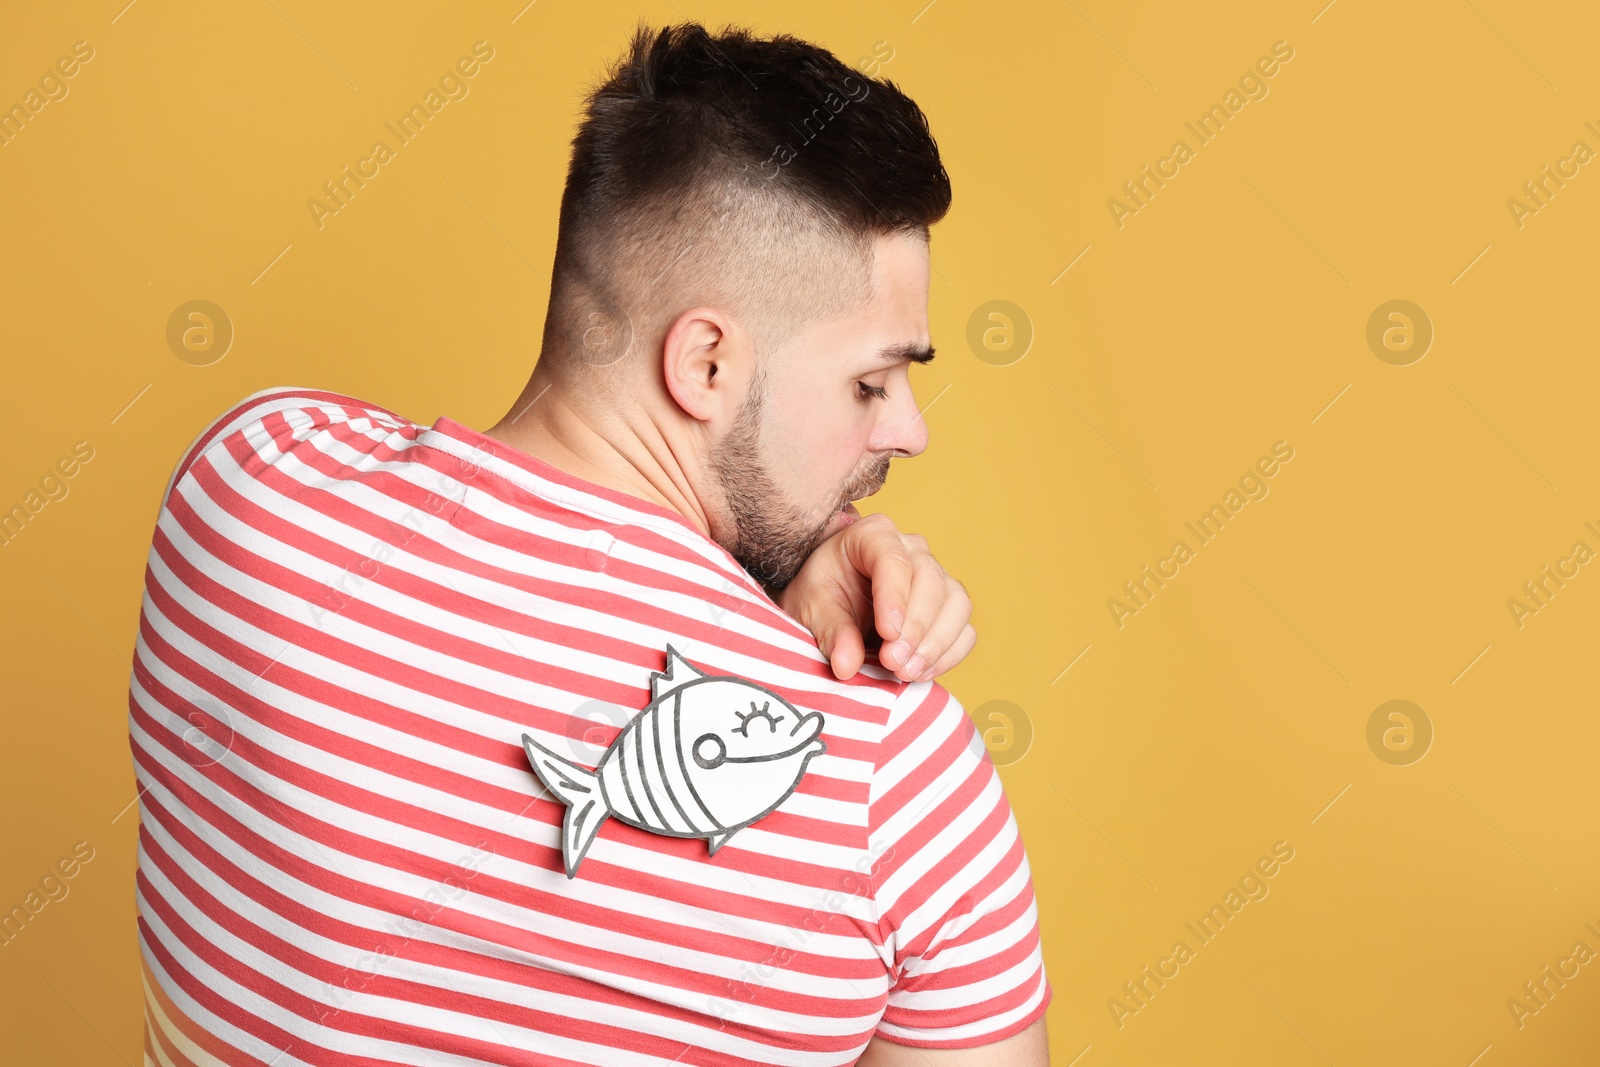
(618, 794)
(683, 768)
(644, 758)
(632, 785)
(667, 755)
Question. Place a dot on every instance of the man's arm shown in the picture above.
(870, 583)
(952, 891)
(1030, 1048)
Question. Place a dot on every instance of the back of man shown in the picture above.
(352, 622)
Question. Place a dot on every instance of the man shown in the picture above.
(494, 747)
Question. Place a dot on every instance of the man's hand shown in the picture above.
(871, 583)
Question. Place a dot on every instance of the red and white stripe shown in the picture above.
(349, 622)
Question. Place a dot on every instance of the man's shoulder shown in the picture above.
(306, 407)
(925, 716)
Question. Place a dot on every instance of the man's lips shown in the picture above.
(841, 518)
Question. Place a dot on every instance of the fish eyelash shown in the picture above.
(744, 720)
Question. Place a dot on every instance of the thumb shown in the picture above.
(834, 626)
(832, 619)
(846, 650)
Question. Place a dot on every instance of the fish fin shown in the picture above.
(716, 841)
(678, 671)
(579, 789)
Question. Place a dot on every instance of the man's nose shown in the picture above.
(903, 431)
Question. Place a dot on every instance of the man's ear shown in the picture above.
(706, 363)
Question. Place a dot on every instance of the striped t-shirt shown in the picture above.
(350, 622)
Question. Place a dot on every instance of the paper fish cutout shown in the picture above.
(708, 756)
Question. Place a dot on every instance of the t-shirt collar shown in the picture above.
(552, 483)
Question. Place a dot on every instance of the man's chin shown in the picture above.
(775, 556)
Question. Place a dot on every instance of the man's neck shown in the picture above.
(626, 449)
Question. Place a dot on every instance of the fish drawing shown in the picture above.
(708, 756)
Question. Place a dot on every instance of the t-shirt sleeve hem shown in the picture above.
(977, 1041)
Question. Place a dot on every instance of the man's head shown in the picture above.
(742, 256)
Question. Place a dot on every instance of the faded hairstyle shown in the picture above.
(744, 173)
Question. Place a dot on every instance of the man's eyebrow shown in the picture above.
(907, 351)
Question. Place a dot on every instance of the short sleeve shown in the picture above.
(954, 892)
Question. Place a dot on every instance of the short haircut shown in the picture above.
(738, 172)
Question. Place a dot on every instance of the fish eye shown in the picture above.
(744, 720)
(709, 751)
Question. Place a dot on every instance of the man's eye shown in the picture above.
(864, 391)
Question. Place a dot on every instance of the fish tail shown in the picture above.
(579, 789)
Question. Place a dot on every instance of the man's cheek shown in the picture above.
(810, 464)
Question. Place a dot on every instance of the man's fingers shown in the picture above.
(874, 547)
(922, 614)
(954, 615)
(929, 590)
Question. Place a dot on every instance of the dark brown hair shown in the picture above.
(717, 158)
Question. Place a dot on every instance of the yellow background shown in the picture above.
(1223, 317)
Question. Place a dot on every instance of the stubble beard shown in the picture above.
(771, 537)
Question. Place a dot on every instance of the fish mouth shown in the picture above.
(811, 723)
(805, 731)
